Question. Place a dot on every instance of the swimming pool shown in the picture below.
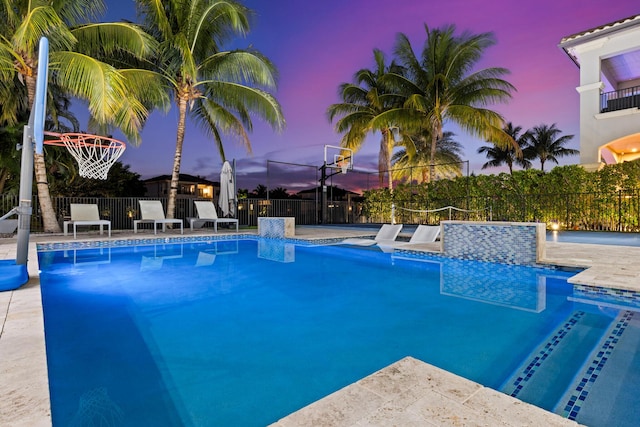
(244, 332)
(595, 237)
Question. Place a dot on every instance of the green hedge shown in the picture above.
(608, 199)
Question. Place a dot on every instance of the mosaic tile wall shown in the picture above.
(507, 243)
(276, 227)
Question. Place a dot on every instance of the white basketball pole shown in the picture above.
(33, 134)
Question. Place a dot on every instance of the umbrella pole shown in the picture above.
(235, 187)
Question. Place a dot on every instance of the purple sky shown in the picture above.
(318, 45)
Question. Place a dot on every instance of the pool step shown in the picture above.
(544, 378)
(603, 382)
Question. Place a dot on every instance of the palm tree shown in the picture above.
(546, 144)
(441, 86)
(362, 102)
(114, 96)
(500, 155)
(448, 159)
(219, 89)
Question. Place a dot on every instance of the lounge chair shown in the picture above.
(207, 213)
(85, 214)
(423, 234)
(151, 211)
(387, 234)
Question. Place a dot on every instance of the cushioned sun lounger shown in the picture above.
(85, 214)
(151, 211)
(387, 234)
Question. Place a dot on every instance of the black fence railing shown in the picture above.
(618, 211)
(620, 99)
(121, 211)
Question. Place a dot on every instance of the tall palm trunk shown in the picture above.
(3, 179)
(50, 223)
(177, 157)
(390, 144)
(384, 157)
(432, 154)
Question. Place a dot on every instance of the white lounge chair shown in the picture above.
(151, 211)
(207, 213)
(85, 214)
(387, 234)
(423, 234)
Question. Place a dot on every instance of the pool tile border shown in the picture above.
(610, 295)
(543, 354)
(581, 392)
(115, 243)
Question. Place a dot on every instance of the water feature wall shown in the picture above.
(520, 243)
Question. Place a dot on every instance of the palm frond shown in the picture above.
(110, 38)
(103, 87)
(215, 20)
(149, 87)
(42, 21)
(238, 97)
(215, 119)
(76, 12)
(241, 66)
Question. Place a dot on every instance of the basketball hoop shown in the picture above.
(95, 154)
(341, 163)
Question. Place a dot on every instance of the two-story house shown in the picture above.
(189, 186)
(609, 60)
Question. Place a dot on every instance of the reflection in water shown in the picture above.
(88, 256)
(276, 250)
(517, 287)
(156, 254)
(153, 256)
(208, 256)
(97, 409)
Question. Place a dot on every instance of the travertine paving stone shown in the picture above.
(413, 393)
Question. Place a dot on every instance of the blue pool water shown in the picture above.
(595, 237)
(242, 333)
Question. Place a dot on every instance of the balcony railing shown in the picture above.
(620, 99)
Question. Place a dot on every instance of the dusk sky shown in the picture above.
(318, 45)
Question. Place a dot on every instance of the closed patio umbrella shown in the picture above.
(227, 199)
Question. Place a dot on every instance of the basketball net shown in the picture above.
(342, 163)
(95, 154)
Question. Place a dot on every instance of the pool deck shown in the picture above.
(408, 392)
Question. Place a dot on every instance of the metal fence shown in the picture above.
(619, 211)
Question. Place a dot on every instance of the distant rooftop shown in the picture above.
(183, 177)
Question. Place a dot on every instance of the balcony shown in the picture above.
(620, 99)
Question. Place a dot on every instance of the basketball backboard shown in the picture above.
(338, 158)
